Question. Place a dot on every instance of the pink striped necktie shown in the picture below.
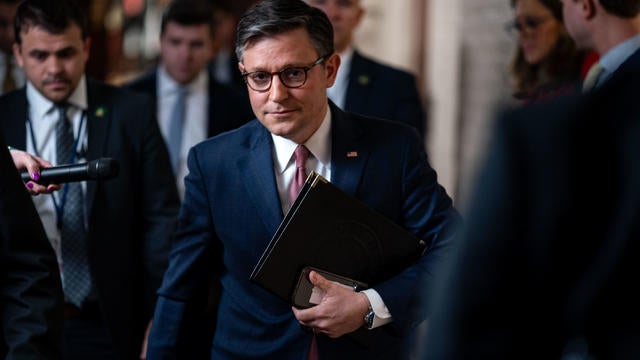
(301, 154)
(313, 349)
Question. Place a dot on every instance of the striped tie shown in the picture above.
(76, 279)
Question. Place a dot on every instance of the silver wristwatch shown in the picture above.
(368, 319)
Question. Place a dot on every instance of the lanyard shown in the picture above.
(59, 207)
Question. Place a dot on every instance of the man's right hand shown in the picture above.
(25, 161)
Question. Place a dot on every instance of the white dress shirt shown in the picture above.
(319, 146)
(338, 92)
(41, 128)
(196, 118)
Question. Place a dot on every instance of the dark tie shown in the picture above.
(75, 269)
(9, 84)
(176, 121)
(301, 154)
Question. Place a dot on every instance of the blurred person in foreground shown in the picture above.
(191, 105)
(111, 237)
(240, 184)
(547, 63)
(550, 255)
(363, 85)
(30, 288)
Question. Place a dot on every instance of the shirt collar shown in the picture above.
(41, 105)
(345, 62)
(168, 86)
(619, 54)
(319, 144)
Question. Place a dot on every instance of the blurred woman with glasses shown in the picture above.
(546, 63)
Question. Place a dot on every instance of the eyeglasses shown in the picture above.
(529, 23)
(291, 77)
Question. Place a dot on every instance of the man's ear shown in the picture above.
(590, 8)
(86, 48)
(241, 67)
(331, 67)
(17, 53)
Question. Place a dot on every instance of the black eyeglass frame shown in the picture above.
(303, 69)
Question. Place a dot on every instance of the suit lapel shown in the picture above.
(360, 77)
(258, 177)
(348, 157)
(98, 120)
(349, 154)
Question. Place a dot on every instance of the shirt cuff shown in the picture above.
(382, 314)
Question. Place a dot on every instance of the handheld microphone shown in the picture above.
(100, 169)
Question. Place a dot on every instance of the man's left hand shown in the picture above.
(340, 311)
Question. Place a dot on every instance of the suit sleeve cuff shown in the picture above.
(382, 314)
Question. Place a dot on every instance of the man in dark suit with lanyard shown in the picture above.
(207, 106)
(366, 86)
(111, 237)
(30, 289)
(240, 184)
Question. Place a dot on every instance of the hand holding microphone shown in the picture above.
(100, 169)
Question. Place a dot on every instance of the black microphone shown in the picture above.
(100, 169)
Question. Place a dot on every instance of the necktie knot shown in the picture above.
(301, 154)
(182, 91)
(592, 77)
(64, 134)
(61, 109)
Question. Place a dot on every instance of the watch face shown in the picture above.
(368, 319)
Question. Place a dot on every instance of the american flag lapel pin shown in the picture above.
(352, 154)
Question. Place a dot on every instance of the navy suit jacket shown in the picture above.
(228, 108)
(232, 209)
(130, 217)
(384, 92)
(550, 253)
(30, 289)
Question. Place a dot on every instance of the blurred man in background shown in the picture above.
(363, 85)
(191, 105)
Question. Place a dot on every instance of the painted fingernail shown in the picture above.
(30, 185)
(50, 188)
(36, 176)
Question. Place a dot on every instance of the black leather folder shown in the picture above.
(330, 230)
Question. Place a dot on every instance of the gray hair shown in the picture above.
(272, 17)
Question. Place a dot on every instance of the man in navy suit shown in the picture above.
(366, 86)
(238, 189)
(186, 36)
(124, 224)
(30, 289)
